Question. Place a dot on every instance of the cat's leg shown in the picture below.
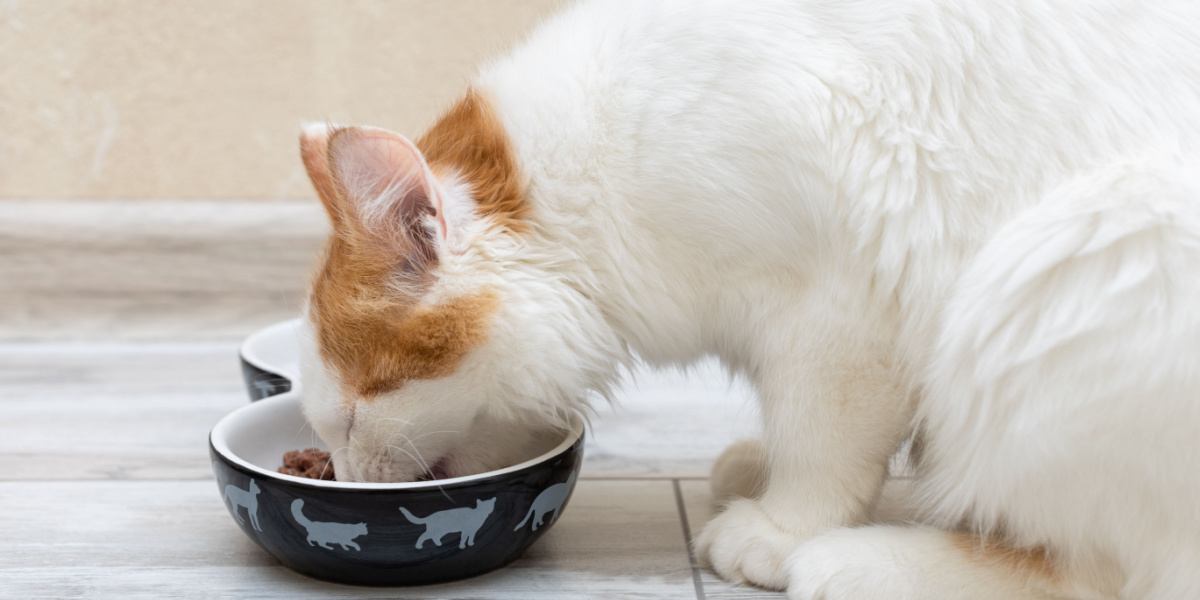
(237, 516)
(740, 471)
(833, 414)
(354, 545)
(537, 519)
(422, 539)
(254, 520)
(922, 563)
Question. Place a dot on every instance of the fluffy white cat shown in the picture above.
(977, 221)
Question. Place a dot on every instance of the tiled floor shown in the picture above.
(105, 488)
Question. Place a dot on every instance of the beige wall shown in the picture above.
(202, 98)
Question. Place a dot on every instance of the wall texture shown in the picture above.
(189, 99)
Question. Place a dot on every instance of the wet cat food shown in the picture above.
(310, 462)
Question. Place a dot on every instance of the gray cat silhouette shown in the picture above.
(323, 533)
(549, 501)
(248, 499)
(465, 521)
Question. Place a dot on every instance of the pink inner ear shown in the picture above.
(384, 179)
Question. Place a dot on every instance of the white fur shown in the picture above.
(977, 216)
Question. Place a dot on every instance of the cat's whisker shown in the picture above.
(424, 466)
(428, 469)
(422, 463)
(429, 433)
(408, 440)
(301, 428)
(330, 463)
(416, 457)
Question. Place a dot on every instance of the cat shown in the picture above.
(464, 521)
(324, 533)
(248, 499)
(550, 500)
(972, 222)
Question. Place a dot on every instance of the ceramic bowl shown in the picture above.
(373, 533)
(270, 361)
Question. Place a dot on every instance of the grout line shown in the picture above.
(687, 539)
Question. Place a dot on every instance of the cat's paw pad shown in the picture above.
(743, 546)
(848, 564)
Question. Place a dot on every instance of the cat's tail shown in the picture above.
(412, 517)
(298, 514)
(525, 520)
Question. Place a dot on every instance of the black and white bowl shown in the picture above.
(373, 533)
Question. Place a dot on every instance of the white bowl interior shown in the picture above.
(274, 349)
(256, 436)
(261, 432)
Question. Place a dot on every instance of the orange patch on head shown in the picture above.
(991, 552)
(376, 339)
(470, 141)
(365, 302)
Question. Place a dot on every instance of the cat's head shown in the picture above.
(360, 528)
(488, 505)
(437, 340)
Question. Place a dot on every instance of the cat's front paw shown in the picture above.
(743, 546)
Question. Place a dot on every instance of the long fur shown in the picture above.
(979, 220)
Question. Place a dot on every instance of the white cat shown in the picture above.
(975, 220)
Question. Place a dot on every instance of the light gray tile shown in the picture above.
(152, 269)
(103, 539)
(114, 411)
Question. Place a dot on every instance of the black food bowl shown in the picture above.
(378, 533)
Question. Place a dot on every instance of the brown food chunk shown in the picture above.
(310, 462)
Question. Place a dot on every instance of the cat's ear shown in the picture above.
(375, 184)
(314, 152)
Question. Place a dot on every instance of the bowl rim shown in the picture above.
(251, 349)
(217, 440)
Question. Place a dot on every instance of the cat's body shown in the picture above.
(976, 219)
(465, 521)
(244, 498)
(325, 533)
(550, 500)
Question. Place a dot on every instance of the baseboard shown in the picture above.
(152, 269)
